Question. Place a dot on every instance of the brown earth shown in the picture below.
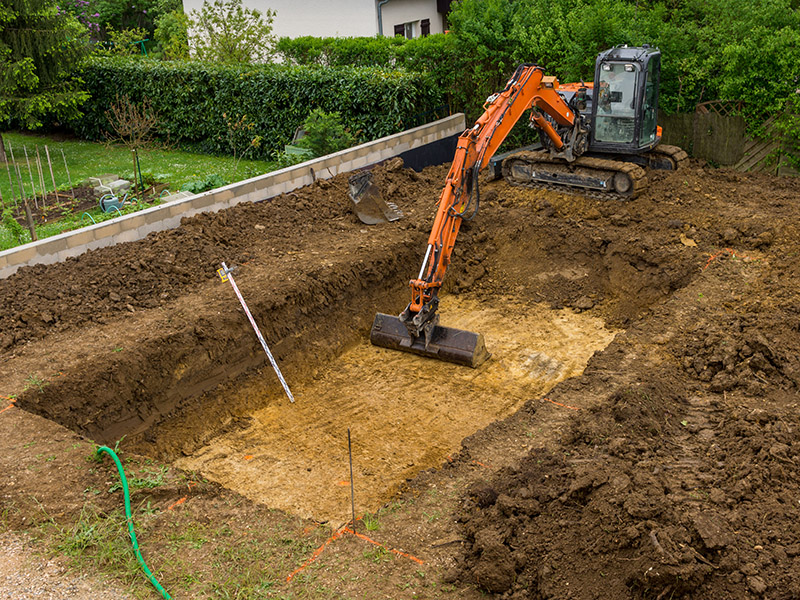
(666, 469)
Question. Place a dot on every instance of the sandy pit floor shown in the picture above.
(405, 413)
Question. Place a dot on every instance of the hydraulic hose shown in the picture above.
(129, 518)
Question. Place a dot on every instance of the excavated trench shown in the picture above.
(675, 477)
(189, 383)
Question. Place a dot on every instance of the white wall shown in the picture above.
(339, 18)
(322, 18)
(295, 18)
(396, 12)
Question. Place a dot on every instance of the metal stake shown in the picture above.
(352, 494)
(226, 274)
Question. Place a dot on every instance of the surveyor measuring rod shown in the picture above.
(226, 274)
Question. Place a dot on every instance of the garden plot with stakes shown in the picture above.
(635, 433)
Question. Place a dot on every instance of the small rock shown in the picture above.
(583, 303)
(756, 584)
(592, 214)
(779, 450)
(730, 235)
(717, 496)
(114, 297)
(395, 164)
(130, 308)
(713, 530)
(620, 220)
(260, 227)
(764, 239)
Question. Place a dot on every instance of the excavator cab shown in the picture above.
(625, 101)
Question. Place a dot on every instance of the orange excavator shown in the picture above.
(595, 138)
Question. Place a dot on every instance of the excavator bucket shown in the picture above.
(447, 343)
(368, 204)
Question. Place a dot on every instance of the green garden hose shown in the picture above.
(129, 518)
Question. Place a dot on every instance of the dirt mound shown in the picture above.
(107, 284)
(680, 480)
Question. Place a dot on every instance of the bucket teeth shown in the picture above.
(445, 343)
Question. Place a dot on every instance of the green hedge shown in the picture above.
(191, 99)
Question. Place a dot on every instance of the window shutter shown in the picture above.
(425, 27)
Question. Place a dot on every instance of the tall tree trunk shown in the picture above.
(3, 158)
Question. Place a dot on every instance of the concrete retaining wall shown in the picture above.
(138, 225)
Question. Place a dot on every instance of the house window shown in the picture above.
(425, 27)
(405, 29)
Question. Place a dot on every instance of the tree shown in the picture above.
(325, 133)
(40, 48)
(172, 35)
(133, 125)
(224, 31)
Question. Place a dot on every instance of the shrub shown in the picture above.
(193, 99)
(325, 133)
(211, 182)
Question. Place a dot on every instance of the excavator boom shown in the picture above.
(416, 329)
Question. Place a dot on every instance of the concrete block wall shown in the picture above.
(138, 225)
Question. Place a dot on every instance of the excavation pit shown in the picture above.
(405, 413)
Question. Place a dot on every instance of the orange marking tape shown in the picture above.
(562, 405)
(722, 252)
(176, 503)
(12, 400)
(336, 534)
(248, 457)
(480, 464)
(371, 541)
(342, 482)
(6, 408)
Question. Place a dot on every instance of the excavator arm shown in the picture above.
(528, 88)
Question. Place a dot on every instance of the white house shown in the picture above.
(350, 18)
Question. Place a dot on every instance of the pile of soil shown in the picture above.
(678, 478)
(668, 468)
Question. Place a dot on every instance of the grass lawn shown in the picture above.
(90, 159)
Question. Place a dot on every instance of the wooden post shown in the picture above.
(41, 177)
(30, 174)
(19, 181)
(29, 219)
(11, 183)
(16, 172)
(50, 165)
(72, 189)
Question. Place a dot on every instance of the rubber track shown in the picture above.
(678, 156)
(635, 172)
